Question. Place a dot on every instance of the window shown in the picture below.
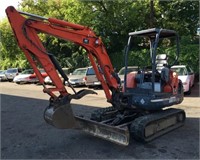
(90, 71)
(79, 72)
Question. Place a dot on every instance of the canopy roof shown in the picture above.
(151, 33)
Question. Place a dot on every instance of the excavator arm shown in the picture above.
(26, 32)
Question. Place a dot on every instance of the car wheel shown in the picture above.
(189, 91)
(180, 91)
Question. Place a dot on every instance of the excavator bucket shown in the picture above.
(60, 115)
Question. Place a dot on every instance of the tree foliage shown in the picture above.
(10, 52)
(112, 21)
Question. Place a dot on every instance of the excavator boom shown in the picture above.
(26, 31)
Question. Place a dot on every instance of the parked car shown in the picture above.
(48, 80)
(43, 73)
(25, 77)
(121, 72)
(3, 75)
(77, 77)
(91, 78)
(28, 76)
(11, 73)
(186, 75)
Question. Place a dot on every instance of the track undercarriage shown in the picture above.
(116, 125)
(143, 126)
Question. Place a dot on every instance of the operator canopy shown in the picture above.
(151, 33)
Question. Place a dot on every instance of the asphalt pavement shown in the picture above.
(25, 135)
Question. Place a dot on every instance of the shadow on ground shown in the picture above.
(25, 135)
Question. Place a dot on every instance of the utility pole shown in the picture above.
(151, 23)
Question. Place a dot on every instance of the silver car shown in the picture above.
(91, 78)
(77, 77)
(11, 73)
(3, 75)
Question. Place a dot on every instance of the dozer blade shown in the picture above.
(63, 118)
(60, 115)
(119, 135)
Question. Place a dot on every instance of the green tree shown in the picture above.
(112, 21)
(11, 55)
(181, 16)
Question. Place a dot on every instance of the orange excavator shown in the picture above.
(138, 108)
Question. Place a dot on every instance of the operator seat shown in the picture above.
(163, 69)
(161, 60)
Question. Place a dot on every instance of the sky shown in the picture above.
(4, 4)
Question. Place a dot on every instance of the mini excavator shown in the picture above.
(138, 108)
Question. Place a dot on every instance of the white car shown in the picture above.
(25, 77)
(48, 80)
(186, 75)
(28, 76)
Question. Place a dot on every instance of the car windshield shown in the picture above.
(2, 72)
(12, 70)
(181, 71)
(79, 72)
(122, 71)
(29, 71)
(91, 71)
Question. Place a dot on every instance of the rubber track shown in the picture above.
(137, 127)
